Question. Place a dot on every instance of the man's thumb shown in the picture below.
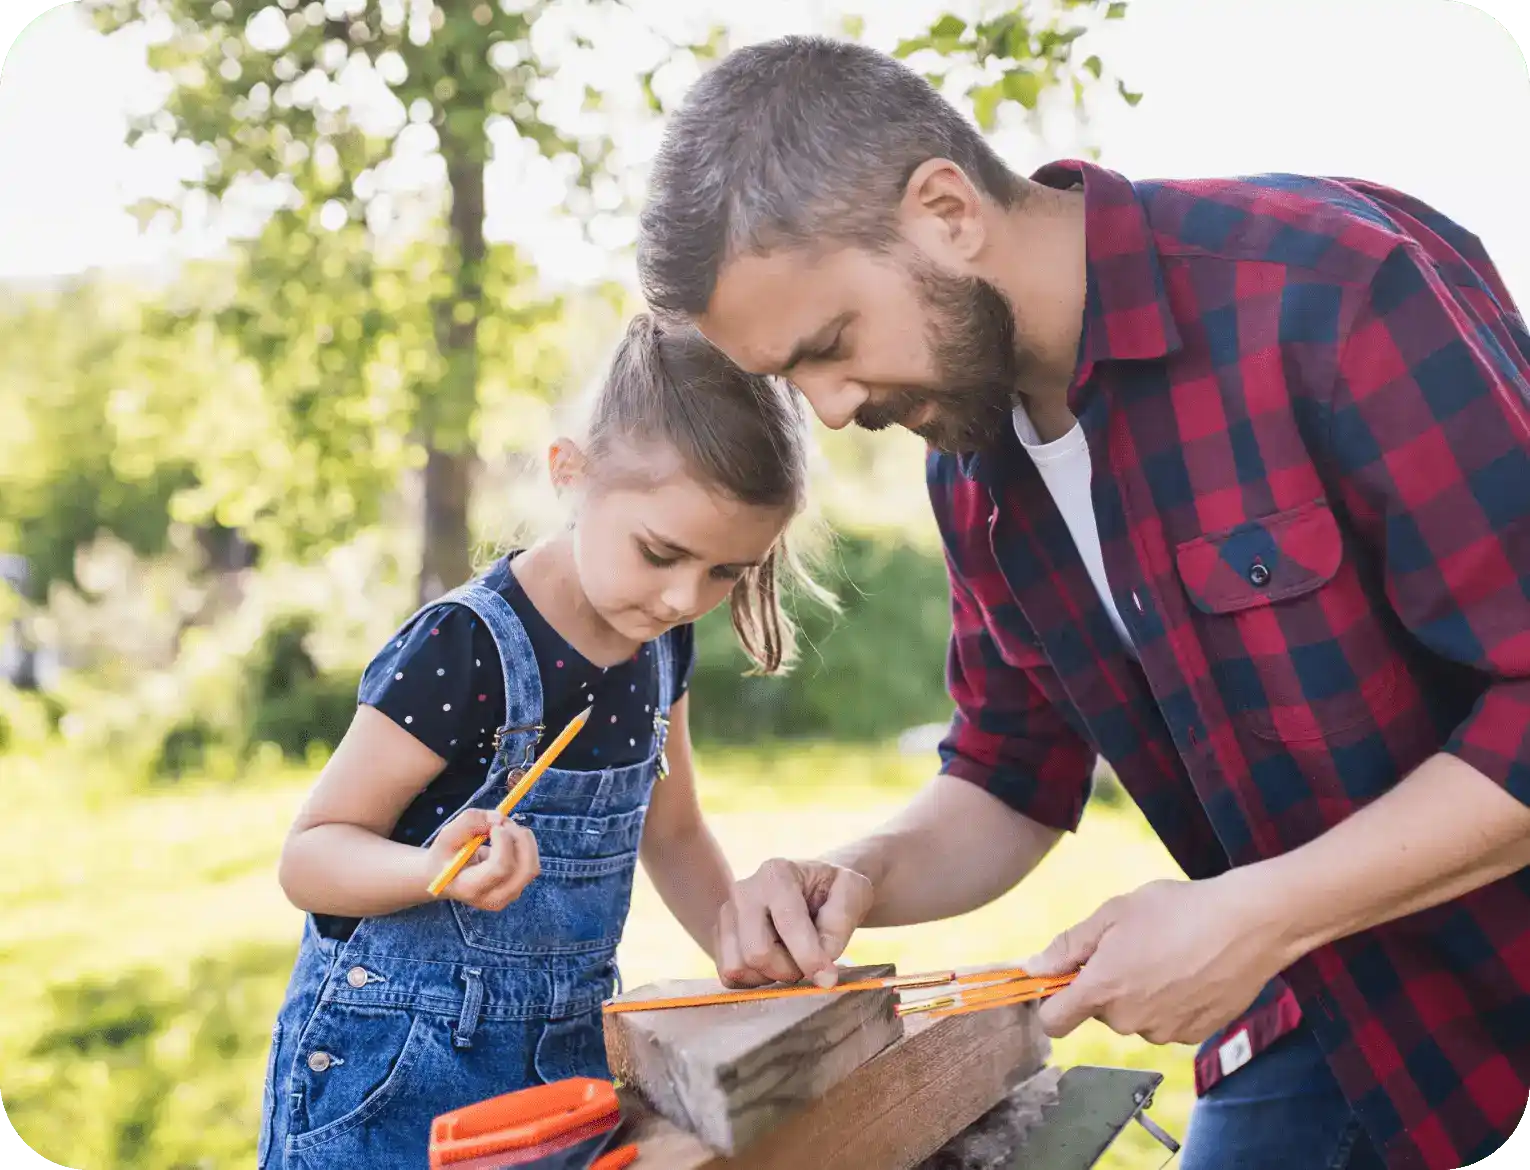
(1071, 949)
(841, 913)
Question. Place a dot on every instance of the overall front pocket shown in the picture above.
(353, 1064)
(574, 907)
(572, 1047)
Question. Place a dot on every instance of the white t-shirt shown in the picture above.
(1065, 469)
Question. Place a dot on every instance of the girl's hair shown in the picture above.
(738, 433)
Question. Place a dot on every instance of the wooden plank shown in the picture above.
(892, 1113)
(729, 1073)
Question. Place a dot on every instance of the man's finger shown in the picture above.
(756, 901)
(844, 909)
(794, 926)
(1063, 1011)
(731, 968)
(1070, 950)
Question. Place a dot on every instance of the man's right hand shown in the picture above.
(790, 921)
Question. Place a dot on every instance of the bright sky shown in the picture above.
(1429, 95)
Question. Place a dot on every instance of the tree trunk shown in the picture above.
(446, 559)
(446, 562)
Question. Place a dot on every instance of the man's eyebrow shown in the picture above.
(818, 340)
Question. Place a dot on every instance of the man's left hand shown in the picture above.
(1171, 962)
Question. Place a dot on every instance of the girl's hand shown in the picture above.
(501, 869)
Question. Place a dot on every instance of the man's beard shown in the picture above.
(971, 327)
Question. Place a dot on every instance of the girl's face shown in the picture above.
(661, 550)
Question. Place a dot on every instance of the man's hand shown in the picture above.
(790, 921)
(1171, 962)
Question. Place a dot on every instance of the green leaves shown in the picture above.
(351, 355)
(1021, 52)
(1022, 86)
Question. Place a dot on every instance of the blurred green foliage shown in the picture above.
(871, 671)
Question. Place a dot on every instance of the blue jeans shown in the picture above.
(1281, 1111)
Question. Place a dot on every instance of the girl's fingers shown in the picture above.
(512, 864)
(487, 870)
(527, 864)
(463, 827)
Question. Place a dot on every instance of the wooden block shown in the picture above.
(729, 1073)
(892, 1113)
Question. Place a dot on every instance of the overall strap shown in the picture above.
(664, 659)
(664, 656)
(516, 740)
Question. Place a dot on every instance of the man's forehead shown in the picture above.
(765, 306)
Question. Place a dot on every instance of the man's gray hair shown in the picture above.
(792, 142)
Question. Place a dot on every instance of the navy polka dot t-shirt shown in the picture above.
(441, 680)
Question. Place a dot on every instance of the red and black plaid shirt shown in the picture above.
(1307, 403)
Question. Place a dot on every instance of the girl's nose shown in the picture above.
(680, 598)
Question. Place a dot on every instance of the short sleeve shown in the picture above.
(425, 678)
(683, 649)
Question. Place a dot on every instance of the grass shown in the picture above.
(144, 944)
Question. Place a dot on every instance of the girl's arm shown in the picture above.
(679, 853)
(338, 859)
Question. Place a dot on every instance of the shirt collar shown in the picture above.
(1126, 307)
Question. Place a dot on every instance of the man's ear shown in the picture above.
(566, 464)
(942, 214)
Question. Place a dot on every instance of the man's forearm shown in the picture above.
(1444, 831)
(952, 849)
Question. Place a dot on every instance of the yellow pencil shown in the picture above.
(512, 798)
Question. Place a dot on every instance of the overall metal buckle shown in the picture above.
(661, 738)
(531, 745)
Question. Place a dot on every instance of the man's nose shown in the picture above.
(834, 399)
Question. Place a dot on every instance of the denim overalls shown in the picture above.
(441, 1005)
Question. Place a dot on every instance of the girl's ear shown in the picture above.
(566, 465)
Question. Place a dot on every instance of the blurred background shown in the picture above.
(292, 298)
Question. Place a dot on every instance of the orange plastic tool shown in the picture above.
(519, 1128)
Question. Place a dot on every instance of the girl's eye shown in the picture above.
(727, 573)
(654, 558)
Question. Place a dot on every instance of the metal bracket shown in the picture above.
(1094, 1105)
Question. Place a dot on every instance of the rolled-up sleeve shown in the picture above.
(1429, 433)
(1005, 735)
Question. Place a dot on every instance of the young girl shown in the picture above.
(402, 1006)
